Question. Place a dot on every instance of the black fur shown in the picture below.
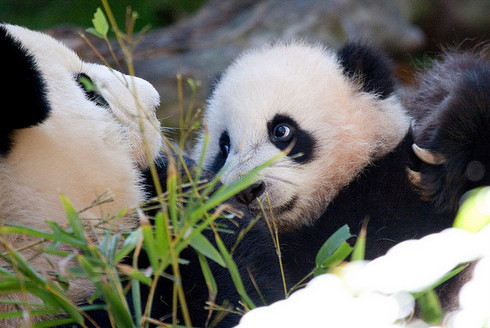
(220, 158)
(451, 107)
(22, 90)
(304, 144)
(371, 67)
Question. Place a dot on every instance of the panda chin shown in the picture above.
(276, 212)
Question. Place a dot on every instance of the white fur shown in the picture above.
(351, 128)
(81, 150)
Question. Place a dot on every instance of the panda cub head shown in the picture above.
(334, 113)
(68, 127)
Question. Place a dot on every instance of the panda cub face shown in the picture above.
(333, 113)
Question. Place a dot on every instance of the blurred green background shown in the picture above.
(41, 14)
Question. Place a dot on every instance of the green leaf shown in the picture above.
(73, 218)
(360, 246)
(88, 84)
(116, 307)
(335, 259)
(334, 242)
(65, 237)
(100, 24)
(474, 214)
(208, 275)
(202, 245)
(26, 268)
(149, 246)
(93, 31)
(140, 276)
(446, 277)
(430, 308)
(172, 193)
(129, 245)
(88, 268)
(21, 230)
(235, 274)
(54, 323)
(163, 244)
(136, 298)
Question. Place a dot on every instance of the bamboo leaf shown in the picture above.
(430, 308)
(62, 236)
(73, 218)
(26, 268)
(93, 31)
(163, 243)
(149, 246)
(129, 245)
(336, 258)
(360, 246)
(235, 274)
(446, 277)
(136, 274)
(334, 242)
(101, 26)
(208, 276)
(116, 307)
(202, 245)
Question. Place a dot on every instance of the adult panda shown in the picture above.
(73, 128)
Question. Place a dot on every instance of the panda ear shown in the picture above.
(22, 90)
(370, 66)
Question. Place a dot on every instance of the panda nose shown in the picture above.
(248, 195)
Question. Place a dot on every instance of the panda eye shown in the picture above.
(224, 144)
(282, 132)
(90, 89)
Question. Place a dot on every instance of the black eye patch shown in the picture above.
(220, 158)
(283, 131)
(90, 89)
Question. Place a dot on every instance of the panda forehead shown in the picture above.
(302, 83)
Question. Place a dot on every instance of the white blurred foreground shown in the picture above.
(378, 293)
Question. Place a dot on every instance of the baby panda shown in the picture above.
(451, 127)
(72, 128)
(347, 140)
(348, 146)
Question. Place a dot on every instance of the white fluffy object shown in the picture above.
(377, 293)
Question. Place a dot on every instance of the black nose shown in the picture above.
(248, 195)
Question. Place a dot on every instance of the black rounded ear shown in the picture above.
(370, 66)
(22, 90)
